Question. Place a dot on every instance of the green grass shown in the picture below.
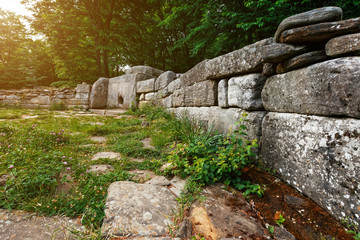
(38, 154)
(43, 155)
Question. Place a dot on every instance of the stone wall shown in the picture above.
(77, 98)
(300, 89)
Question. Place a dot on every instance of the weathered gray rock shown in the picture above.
(196, 74)
(216, 218)
(134, 209)
(223, 119)
(269, 69)
(164, 79)
(248, 59)
(109, 155)
(223, 93)
(278, 52)
(201, 94)
(150, 71)
(245, 91)
(163, 93)
(174, 85)
(343, 45)
(319, 156)
(101, 168)
(321, 31)
(319, 15)
(301, 61)
(159, 180)
(145, 86)
(98, 139)
(150, 96)
(330, 88)
(167, 102)
(99, 93)
(178, 185)
(122, 90)
(83, 91)
(41, 100)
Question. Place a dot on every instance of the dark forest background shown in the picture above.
(74, 41)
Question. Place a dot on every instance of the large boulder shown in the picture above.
(134, 209)
(245, 91)
(99, 93)
(319, 15)
(343, 45)
(330, 88)
(319, 156)
(320, 32)
(150, 71)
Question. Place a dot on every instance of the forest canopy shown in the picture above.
(74, 41)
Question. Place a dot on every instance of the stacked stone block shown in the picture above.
(45, 98)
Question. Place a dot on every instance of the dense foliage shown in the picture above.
(85, 39)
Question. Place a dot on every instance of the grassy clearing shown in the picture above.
(46, 159)
(42, 155)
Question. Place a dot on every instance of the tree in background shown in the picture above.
(23, 62)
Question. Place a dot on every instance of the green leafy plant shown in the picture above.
(215, 158)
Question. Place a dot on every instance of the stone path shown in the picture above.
(109, 155)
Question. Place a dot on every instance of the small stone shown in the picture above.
(147, 143)
(109, 155)
(223, 93)
(98, 139)
(165, 166)
(3, 179)
(269, 69)
(278, 52)
(282, 234)
(145, 124)
(101, 168)
(294, 201)
(185, 229)
(160, 181)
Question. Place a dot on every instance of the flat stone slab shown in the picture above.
(319, 15)
(301, 61)
(29, 226)
(98, 139)
(134, 209)
(320, 32)
(101, 168)
(343, 45)
(224, 215)
(109, 155)
(330, 88)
